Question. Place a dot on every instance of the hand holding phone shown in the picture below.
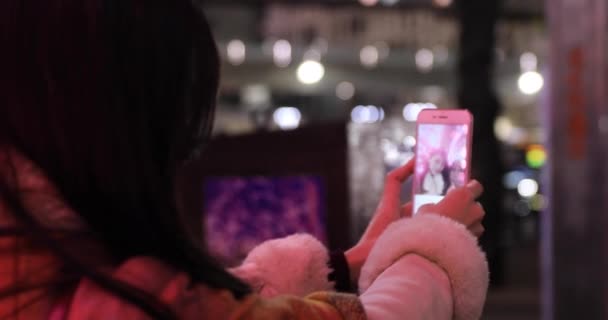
(443, 153)
(461, 205)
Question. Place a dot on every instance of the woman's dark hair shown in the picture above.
(109, 98)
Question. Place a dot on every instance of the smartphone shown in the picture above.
(443, 154)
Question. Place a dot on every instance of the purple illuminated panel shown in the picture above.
(241, 212)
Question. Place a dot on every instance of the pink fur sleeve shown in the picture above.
(411, 288)
(442, 242)
(293, 265)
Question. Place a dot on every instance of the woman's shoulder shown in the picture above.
(158, 279)
(195, 301)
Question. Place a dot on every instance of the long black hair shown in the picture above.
(109, 98)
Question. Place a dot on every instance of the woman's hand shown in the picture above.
(388, 211)
(461, 205)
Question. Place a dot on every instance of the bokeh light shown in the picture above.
(236, 52)
(412, 110)
(287, 118)
(528, 61)
(425, 60)
(310, 72)
(345, 90)
(281, 53)
(530, 82)
(368, 3)
(367, 114)
(536, 156)
(527, 188)
(369, 56)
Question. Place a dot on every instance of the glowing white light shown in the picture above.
(503, 128)
(409, 142)
(412, 110)
(367, 114)
(236, 52)
(368, 3)
(345, 90)
(310, 72)
(281, 53)
(512, 179)
(442, 3)
(527, 188)
(530, 82)
(369, 56)
(287, 118)
(425, 60)
(528, 61)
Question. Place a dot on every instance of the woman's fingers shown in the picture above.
(402, 173)
(477, 230)
(428, 208)
(461, 205)
(406, 210)
(389, 204)
(476, 214)
(475, 188)
(479, 210)
(389, 208)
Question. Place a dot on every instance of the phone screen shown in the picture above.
(441, 161)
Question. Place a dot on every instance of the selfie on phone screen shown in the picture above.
(441, 158)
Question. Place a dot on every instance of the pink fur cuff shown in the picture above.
(293, 265)
(443, 241)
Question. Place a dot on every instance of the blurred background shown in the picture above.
(319, 100)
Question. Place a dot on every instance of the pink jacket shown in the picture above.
(426, 267)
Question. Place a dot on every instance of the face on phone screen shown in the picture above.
(441, 161)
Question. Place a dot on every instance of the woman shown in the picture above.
(456, 174)
(101, 104)
(434, 181)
